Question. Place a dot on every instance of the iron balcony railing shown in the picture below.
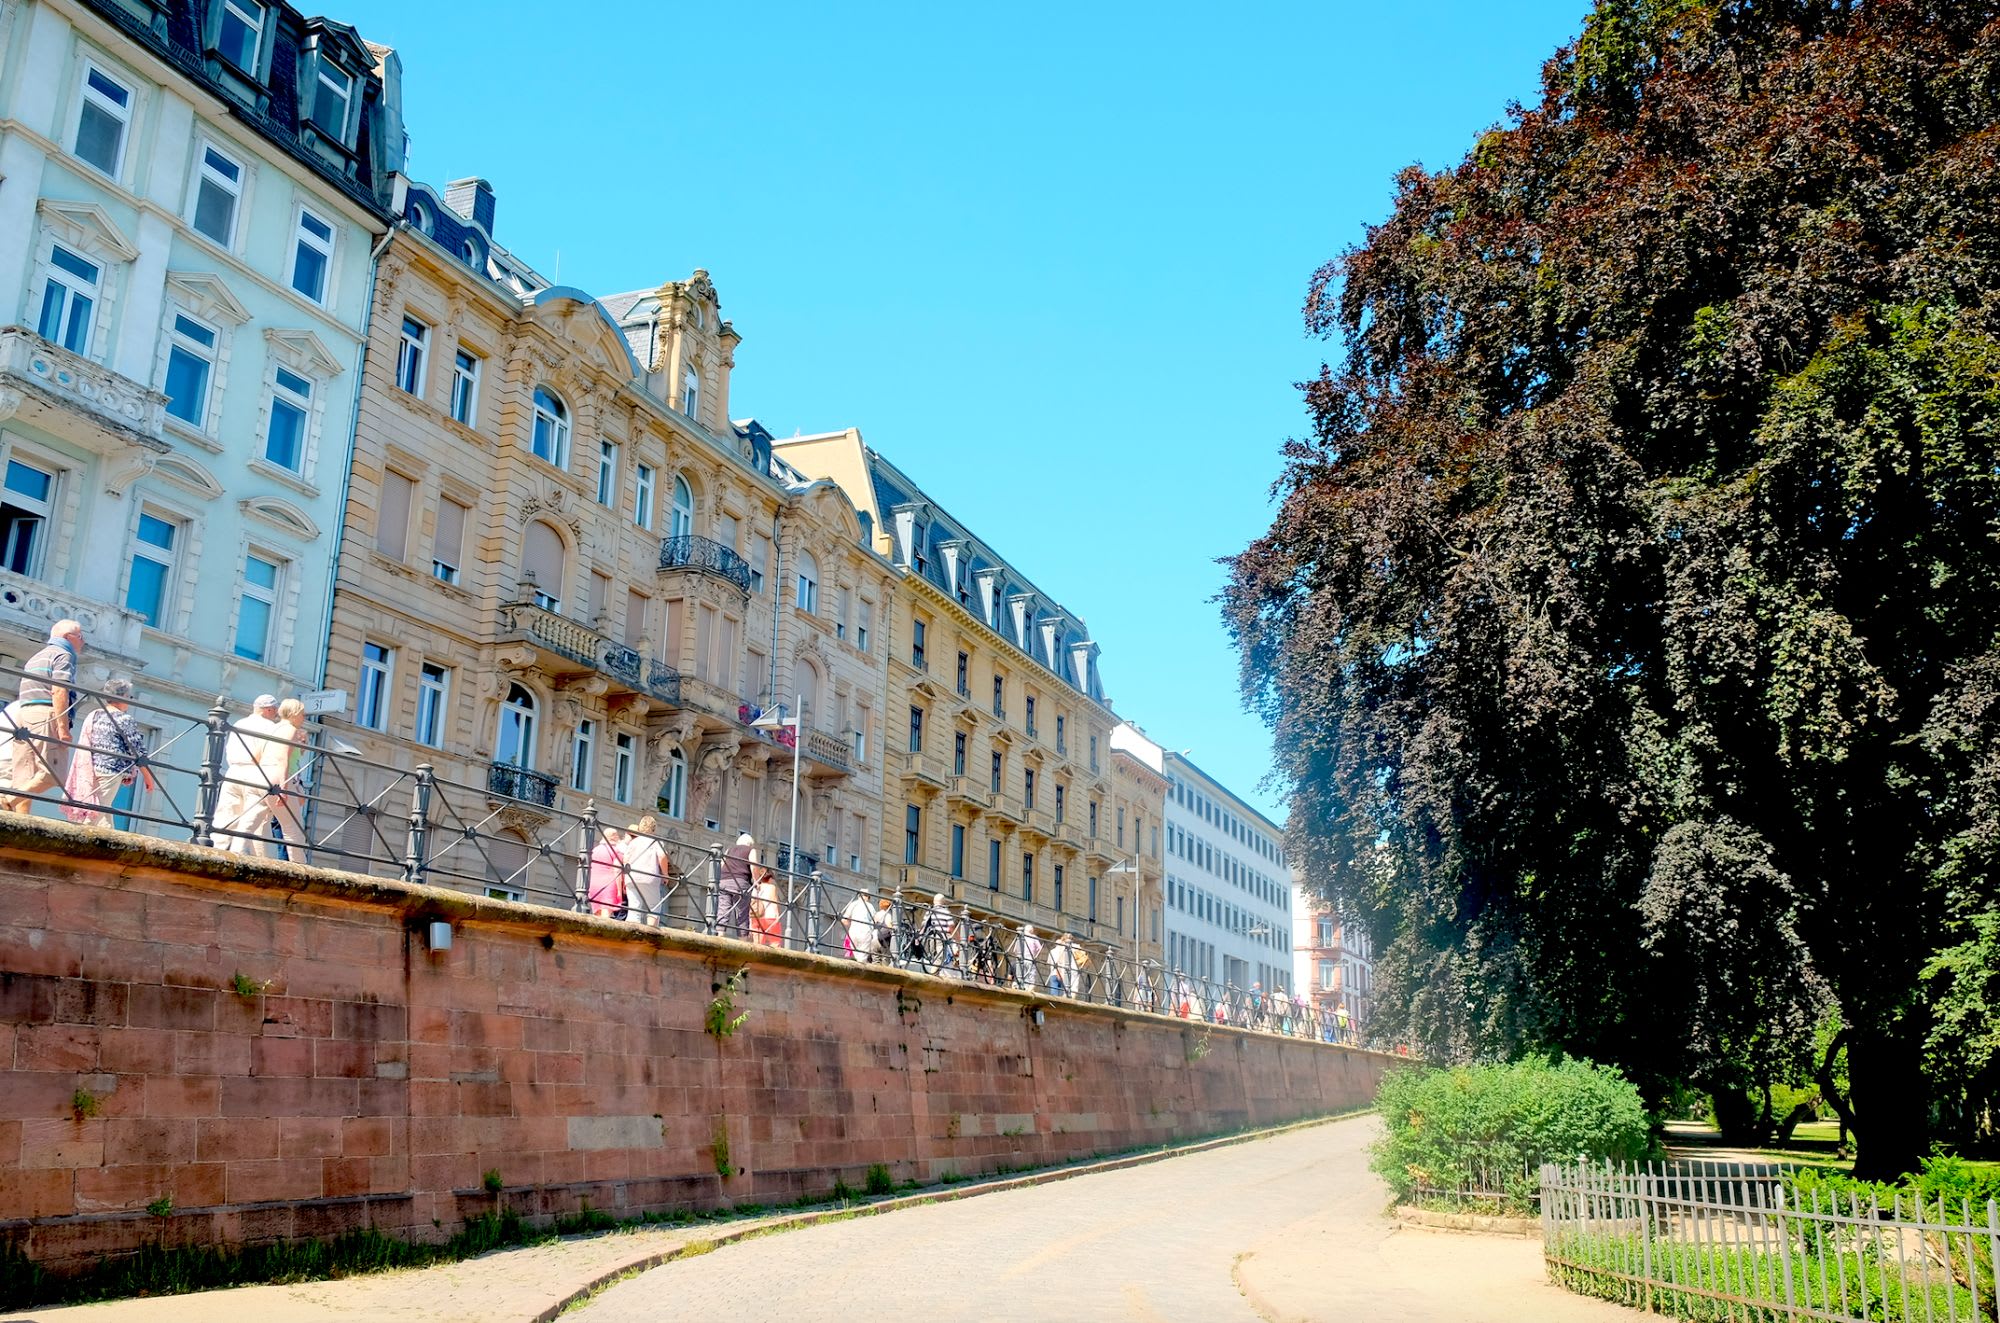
(664, 683)
(704, 556)
(523, 783)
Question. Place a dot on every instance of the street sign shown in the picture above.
(322, 701)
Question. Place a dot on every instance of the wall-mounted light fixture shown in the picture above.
(438, 935)
(1036, 1016)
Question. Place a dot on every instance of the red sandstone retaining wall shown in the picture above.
(367, 1082)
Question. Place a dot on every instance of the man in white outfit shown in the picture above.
(255, 762)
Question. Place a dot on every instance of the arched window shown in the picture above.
(808, 595)
(691, 394)
(551, 428)
(673, 790)
(805, 682)
(542, 559)
(514, 741)
(681, 521)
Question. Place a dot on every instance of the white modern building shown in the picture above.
(193, 189)
(1229, 901)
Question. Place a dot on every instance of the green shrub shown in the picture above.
(879, 1179)
(1500, 1122)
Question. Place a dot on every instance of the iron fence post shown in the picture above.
(814, 920)
(586, 847)
(711, 904)
(213, 759)
(1785, 1255)
(416, 862)
(1646, 1237)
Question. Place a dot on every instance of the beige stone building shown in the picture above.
(568, 579)
(1000, 789)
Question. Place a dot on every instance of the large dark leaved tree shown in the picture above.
(1628, 620)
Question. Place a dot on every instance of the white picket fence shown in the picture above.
(1716, 1240)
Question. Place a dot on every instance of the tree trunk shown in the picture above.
(1891, 1102)
(1829, 1090)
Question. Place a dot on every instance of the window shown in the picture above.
(291, 404)
(1028, 787)
(760, 560)
(68, 300)
(913, 834)
(958, 753)
(392, 520)
(861, 739)
(410, 357)
(998, 767)
(218, 187)
(1027, 876)
(917, 631)
(690, 394)
(583, 752)
(448, 544)
(1061, 795)
(1093, 753)
(190, 359)
(1121, 824)
(642, 496)
(958, 849)
(1062, 742)
(607, 473)
(433, 702)
(1093, 819)
(1028, 715)
(257, 608)
(26, 505)
(964, 666)
(846, 613)
(807, 599)
(542, 562)
(312, 256)
(622, 759)
(465, 387)
(103, 120)
(551, 438)
(992, 865)
(999, 696)
(1329, 978)
(332, 96)
(154, 546)
(861, 630)
(1059, 888)
(514, 741)
(239, 34)
(371, 702)
(673, 790)
(916, 730)
(680, 520)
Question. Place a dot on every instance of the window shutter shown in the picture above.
(392, 521)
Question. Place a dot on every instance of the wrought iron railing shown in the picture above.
(703, 555)
(664, 683)
(522, 783)
(625, 663)
(253, 789)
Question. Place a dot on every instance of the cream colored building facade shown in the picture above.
(568, 580)
(1000, 789)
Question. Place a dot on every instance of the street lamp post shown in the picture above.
(777, 722)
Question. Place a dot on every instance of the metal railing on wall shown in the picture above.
(1724, 1240)
(228, 780)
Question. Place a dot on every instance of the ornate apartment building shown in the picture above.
(1337, 963)
(193, 189)
(566, 577)
(999, 787)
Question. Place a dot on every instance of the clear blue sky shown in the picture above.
(1049, 258)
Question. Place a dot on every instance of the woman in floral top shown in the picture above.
(110, 754)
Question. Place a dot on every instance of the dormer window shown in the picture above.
(239, 34)
(690, 393)
(332, 98)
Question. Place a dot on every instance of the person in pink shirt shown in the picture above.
(607, 876)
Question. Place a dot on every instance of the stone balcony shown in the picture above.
(970, 792)
(563, 649)
(81, 401)
(28, 607)
(1038, 822)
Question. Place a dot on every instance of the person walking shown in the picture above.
(110, 755)
(34, 728)
(1027, 958)
(255, 764)
(732, 903)
(857, 922)
(287, 800)
(767, 912)
(1062, 966)
(607, 876)
(646, 871)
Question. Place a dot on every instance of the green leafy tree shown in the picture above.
(1628, 619)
